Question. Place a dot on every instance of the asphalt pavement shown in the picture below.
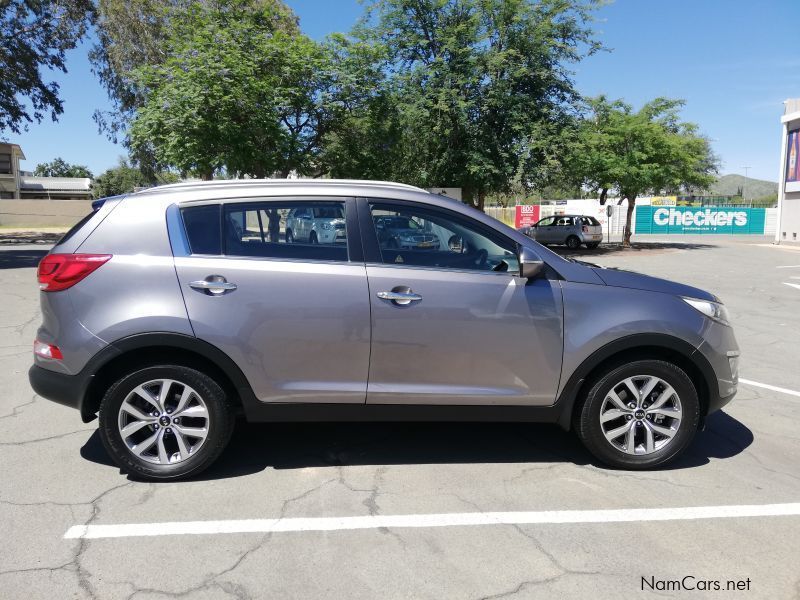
(433, 495)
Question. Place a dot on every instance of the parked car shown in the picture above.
(490, 327)
(404, 232)
(570, 230)
(317, 225)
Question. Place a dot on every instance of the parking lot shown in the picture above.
(305, 480)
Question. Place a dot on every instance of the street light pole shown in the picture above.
(744, 185)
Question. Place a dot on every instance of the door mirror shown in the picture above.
(530, 265)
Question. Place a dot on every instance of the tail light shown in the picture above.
(47, 350)
(585, 229)
(61, 271)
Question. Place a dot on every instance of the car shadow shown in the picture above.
(256, 447)
(20, 259)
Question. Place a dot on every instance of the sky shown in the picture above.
(732, 61)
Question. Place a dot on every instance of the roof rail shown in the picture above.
(306, 181)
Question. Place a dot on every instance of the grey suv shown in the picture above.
(570, 230)
(171, 310)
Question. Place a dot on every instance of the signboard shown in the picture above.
(793, 156)
(664, 201)
(685, 219)
(526, 215)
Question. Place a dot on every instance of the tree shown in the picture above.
(124, 179)
(132, 34)
(478, 85)
(35, 35)
(637, 152)
(235, 91)
(60, 168)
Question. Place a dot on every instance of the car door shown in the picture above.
(544, 230)
(453, 323)
(294, 317)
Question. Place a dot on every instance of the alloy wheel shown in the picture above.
(640, 414)
(163, 421)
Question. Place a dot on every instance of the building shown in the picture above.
(28, 201)
(788, 230)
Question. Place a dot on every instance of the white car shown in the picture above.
(316, 225)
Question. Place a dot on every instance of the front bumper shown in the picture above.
(69, 390)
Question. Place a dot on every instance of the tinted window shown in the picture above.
(423, 237)
(590, 221)
(75, 228)
(314, 231)
(202, 228)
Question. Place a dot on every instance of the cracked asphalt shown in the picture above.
(55, 474)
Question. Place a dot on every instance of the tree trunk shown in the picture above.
(207, 174)
(603, 196)
(626, 240)
(481, 200)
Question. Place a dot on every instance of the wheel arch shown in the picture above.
(630, 348)
(142, 350)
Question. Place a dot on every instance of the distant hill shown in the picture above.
(731, 185)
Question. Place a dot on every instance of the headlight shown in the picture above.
(326, 226)
(713, 310)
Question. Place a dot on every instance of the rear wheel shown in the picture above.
(573, 242)
(165, 422)
(639, 415)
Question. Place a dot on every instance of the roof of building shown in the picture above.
(13, 147)
(55, 184)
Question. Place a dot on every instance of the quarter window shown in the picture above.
(418, 236)
(202, 229)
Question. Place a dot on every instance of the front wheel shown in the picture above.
(640, 415)
(165, 422)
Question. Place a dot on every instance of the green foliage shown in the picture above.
(637, 152)
(477, 87)
(125, 178)
(34, 36)
(234, 91)
(60, 168)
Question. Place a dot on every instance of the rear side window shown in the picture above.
(292, 230)
(589, 221)
(202, 228)
(76, 228)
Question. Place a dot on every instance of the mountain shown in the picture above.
(731, 185)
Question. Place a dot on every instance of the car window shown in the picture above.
(546, 222)
(589, 221)
(564, 222)
(432, 238)
(202, 229)
(283, 230)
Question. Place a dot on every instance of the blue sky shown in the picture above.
(733, 61)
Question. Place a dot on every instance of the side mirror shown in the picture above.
(530, 265)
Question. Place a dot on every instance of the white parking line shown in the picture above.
(767, 386)
(788, 267)
(432, 520)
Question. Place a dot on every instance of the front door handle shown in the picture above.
(401, 298)
(213, 285)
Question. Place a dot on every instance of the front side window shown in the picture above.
(546, 222)
(313, 231)
(424, 237)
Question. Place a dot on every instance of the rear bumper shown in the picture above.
(61, 388)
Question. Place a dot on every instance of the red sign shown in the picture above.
(526, 216)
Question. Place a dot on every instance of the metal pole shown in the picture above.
(744, 185)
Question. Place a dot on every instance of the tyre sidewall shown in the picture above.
(588, 422)
(220, 422)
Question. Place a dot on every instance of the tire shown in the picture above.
(313, 238)
(289, 236)
(664, 448)
(573, 242)
(592, 245)
(204, 410)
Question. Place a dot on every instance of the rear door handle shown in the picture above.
(214, 285)
(400, 298)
